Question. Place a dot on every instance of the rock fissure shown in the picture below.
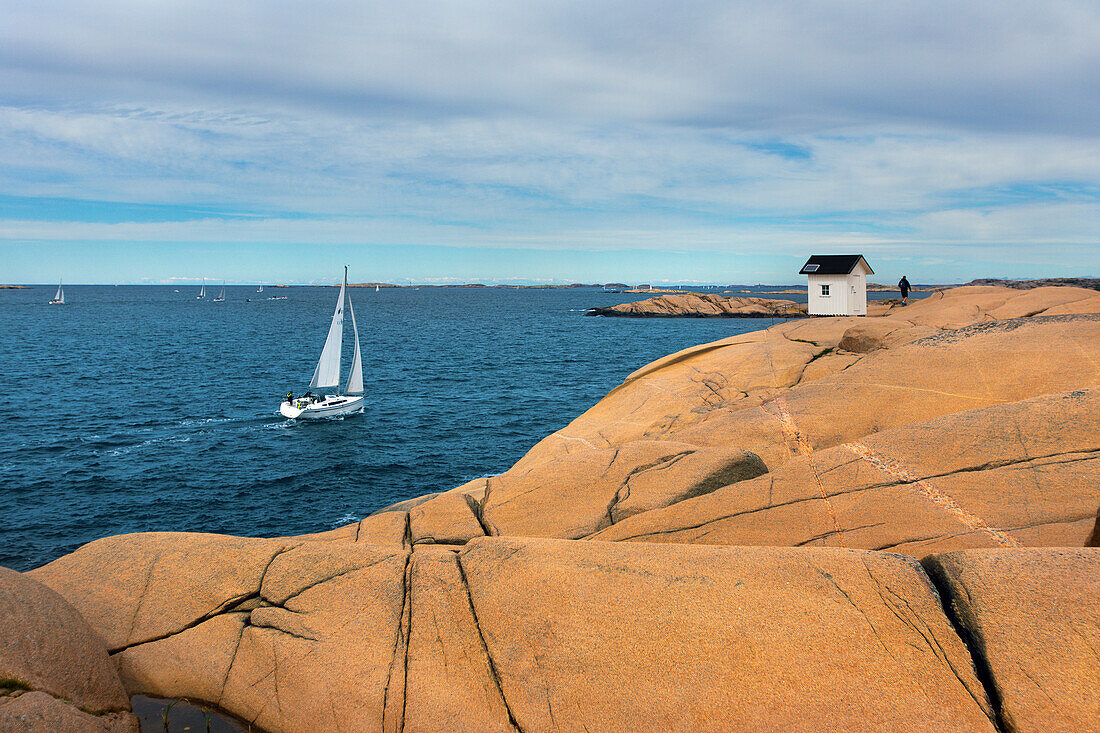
(232, 661)
(494, 674)
(400, 642)
(974, 646)
(833, 532)
(623, 492)
(712, 520)
(923, 630)
(475, 509)
(314, 584)
(874, 630)
(229, 606)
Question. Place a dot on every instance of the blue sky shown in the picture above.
(454, 141)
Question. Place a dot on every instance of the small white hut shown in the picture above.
(837, 285)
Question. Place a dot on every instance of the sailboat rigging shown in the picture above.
(202, 290)
(221, 294)
(326, 375)
(59, 297)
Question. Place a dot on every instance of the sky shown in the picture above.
(151, 141)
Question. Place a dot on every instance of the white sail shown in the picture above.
(261, 288)
(327, 373)
(355, 378)
(60, 296)
(202, 290)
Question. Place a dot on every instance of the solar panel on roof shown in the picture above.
(811, 268)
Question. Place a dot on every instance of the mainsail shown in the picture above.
(355, 378)
(202, 290)
(327, 373)
(60, 296)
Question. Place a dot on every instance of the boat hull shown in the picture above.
(332, 406)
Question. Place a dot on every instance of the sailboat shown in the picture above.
(59, 297)
(221, 294)
(261, 288)
(326, 376)
(376, 288)
(202, 291)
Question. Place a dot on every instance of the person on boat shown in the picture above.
(310, 396)
(904, 287)
(290, 397)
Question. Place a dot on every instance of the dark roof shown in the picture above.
(832, 265)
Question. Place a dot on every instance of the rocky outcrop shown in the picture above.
(1034, 617)
(1074, 282)
(727, 541)
(287, 635)
(699, 305)
(522, 634)
(54, 671)
(1021, 474)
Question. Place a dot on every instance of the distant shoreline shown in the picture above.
(1081, 282)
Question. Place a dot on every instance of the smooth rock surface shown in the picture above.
(1034, 615)
(451, 684)
(46, 645)
(292, 637)
(1018, 473)
(38, 712)
(575, 496)
(598, 636)
(446, 519)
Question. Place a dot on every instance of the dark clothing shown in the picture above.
(904, 287)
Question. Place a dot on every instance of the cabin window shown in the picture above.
(824, 290)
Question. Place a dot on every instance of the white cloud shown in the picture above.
(603, 125)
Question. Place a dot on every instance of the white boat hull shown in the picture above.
(331, 406)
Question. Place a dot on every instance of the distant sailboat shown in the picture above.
(326, 375)
(376, 288)
(59, 297)
(202, 291)
(261, 289)
(221, 294)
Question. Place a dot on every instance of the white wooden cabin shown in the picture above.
(837, 285)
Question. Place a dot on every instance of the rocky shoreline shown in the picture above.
(1092, 283)
(855, 524)
(702, 305)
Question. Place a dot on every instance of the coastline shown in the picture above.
(709, 505)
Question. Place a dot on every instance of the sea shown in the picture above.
(144, 408)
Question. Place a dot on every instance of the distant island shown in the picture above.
(469, 285)
(871, 288)
(1092, 283)
(700, 305)
(15, 287)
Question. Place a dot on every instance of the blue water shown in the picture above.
(137, 408)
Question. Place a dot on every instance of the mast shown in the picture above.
(355, 378)
(60, 297)
(327, 373)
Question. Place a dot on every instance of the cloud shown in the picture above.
(714, 126)
(759, 65)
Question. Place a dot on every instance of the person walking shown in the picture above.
(904, 287)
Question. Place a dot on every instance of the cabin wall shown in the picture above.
(836, 303)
